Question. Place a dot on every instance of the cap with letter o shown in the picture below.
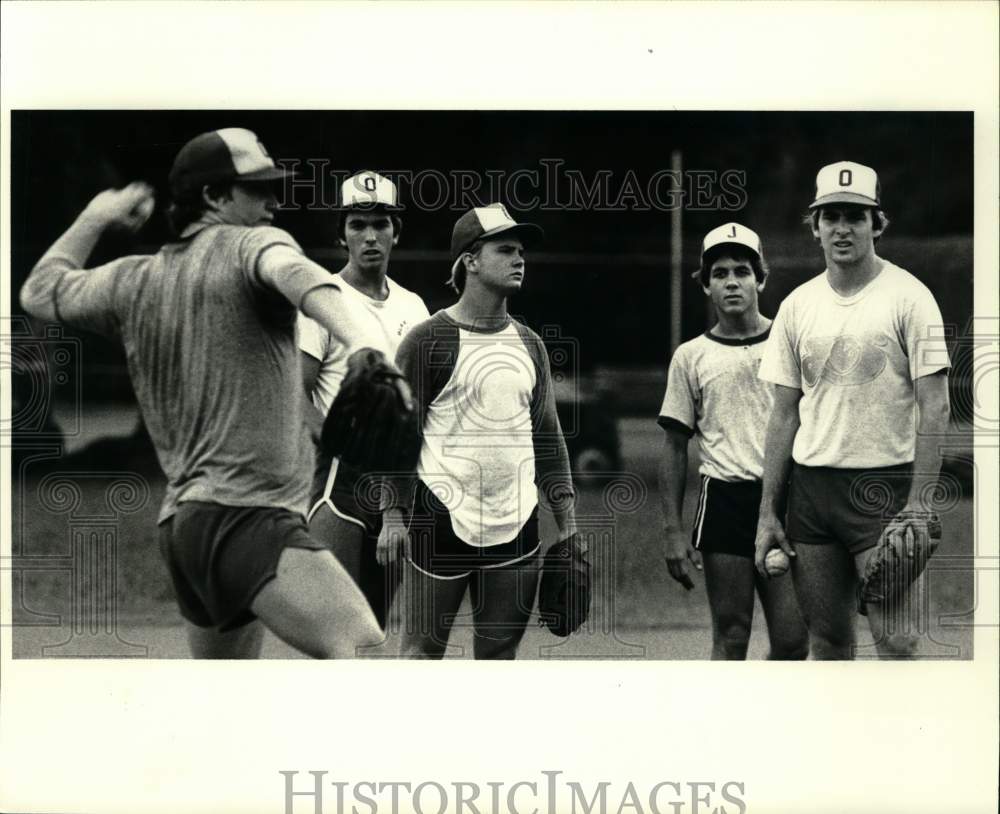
(368, 189)
(230, 154)
(848, 183)
(488, 221)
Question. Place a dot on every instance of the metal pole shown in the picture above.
(676, 253)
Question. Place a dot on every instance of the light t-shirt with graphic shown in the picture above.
(855, 359)
(713, 390)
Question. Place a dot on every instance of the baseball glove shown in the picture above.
(564, 593)
(371, 424)
(900, 557)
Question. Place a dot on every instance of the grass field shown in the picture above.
(88, 580)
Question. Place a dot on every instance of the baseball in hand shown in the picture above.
(776, 562)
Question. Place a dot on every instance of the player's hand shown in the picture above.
(393, 539)
(770, 534)
(679, 556)
(128, 208)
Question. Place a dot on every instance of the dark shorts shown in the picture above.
(437, 551)
(346, 492)
(219, 557)
(845, 506)
(726, 521)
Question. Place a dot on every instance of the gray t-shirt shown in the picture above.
(212, 355)
(713, 390)
(855, 359)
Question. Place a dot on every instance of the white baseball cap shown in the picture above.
(367, 189)
(732, 233)
(847, 182)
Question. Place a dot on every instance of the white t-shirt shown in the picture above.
(855, 360)
(395, 315)
(491, 434)
(713, 389)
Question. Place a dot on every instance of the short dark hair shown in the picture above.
(880, 220)
(736, 252)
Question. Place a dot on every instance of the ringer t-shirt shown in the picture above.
(713, 390)
(491, 436)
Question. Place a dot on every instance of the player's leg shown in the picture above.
(343, 537)
(502, 600)
(823, 575)
(729, 581)
(503, 592)
(313, 604)
(786, 629)
(345, 516)
(423, 611)
(378, 583)
(824, 580)
(894, 623)
(210, 643)
(185, 555)
(231, 565)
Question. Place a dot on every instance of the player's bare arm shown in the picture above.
(781, 429)
(558, 495)
(127, 208)
(933, 412)
(673, 475)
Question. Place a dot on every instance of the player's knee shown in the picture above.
(733, 631)
(899, 645)
(789, 649)
(827, 647)
(422, 647)
(789, 641)
(495, 647)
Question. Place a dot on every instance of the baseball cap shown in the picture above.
(488, 221)
(229, 154)
(847, 182)
(732, 233)
(367, 189)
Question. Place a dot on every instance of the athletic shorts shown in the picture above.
(347, 493)
(847, 506)
(219, 557)
(726, 522)
(437, 551)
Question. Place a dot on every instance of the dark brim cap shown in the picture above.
(230, 154)
(486, 222)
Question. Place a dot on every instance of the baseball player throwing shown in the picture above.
(208, 325)
(859, 366)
